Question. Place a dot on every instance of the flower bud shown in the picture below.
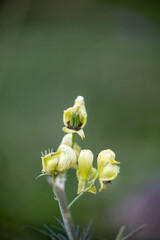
(86, 173)
(58, 162)
(67, 140)
(107, 168)
(75, 117)
(85, 162)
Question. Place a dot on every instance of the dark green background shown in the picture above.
(51, 52)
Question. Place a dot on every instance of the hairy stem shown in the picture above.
(59, 190)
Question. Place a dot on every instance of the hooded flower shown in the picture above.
(86, 173)
(67, 140)
(58, 162)
(107, 168)
(75, 117)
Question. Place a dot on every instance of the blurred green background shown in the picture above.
(51, 52)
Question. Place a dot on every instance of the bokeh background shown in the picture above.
(51, 52)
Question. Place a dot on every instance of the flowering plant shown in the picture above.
(70, 155)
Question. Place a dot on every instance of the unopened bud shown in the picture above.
(67, 140)
(86, 173)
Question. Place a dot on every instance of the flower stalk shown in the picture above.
(84, 191)
(59, 190)
(73, 139)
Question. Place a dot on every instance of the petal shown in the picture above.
(104, 158)
(107, 155)
(92, 190)
(79, 175)
(67, 130)
(81, 134)
(77, 150)
(75, 167)
(92, 175)
(85, 163)
(79, 102)
(103, 186)
(49, 163)
(67, 140)
(67, 115)
(83, 117)
(80, 187)
(81, 184)
(109, 172)
(67, 158)
(80, 105)
(114, 162)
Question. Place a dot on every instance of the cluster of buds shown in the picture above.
(107, 169)
(69, 154)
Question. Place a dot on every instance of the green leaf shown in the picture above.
(120, 233)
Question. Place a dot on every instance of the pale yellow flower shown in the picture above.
(107, 168)
(58, 162)
(86, 173)
(75, 117)
(67, 140)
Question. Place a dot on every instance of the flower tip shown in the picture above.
(81, 134)
(93, 190)
(79, 99)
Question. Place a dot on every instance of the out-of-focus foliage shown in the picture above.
(51, 52)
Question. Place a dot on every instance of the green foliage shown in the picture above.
(59, 233)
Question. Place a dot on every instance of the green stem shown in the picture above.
(75, 199)
(84, 191)
(59, 190)
(73, 139)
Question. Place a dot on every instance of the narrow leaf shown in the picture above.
(61, 223)
(91, 235)
(134, 232)
(58, 228)
(120, 233)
